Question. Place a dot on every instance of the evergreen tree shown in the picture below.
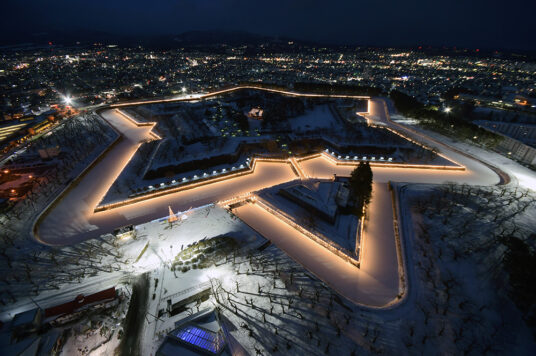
(361, 185)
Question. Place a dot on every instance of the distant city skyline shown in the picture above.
(477, 24)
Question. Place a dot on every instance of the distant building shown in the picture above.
(522, 101)
(255, 113)
(10, 129)
(510, 102)
(522, 132)
(519, 140)
(81, 302)
(199, 334)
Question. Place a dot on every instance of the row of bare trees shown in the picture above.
(28, 268)
(41, 268)
(288, 310)
(459, 262)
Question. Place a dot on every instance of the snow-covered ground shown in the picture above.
(96, 333)
(305, 323)
(458, 286)
(164, 243)
(72, 221)
(320, 117)
(521, 175)
(19, 249)
(276, 307)
(342, 230)
(267, 301)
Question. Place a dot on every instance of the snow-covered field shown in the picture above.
(320, 117)
(458, 283)
(273, 305)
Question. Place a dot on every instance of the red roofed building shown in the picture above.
(81, 302)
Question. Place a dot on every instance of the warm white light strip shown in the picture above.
(224, 91)
(152, 124)
(190, 185)
(324, 242)
(340, 162)
(251, 169)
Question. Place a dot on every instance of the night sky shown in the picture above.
(490, 24)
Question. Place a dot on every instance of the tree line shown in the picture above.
(453, 124)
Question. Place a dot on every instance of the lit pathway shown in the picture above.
(477, 173)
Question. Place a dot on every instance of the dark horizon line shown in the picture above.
(68, 38)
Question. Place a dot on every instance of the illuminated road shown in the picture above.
(72, 219)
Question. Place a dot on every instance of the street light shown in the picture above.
(67, 100)
(447, 110)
